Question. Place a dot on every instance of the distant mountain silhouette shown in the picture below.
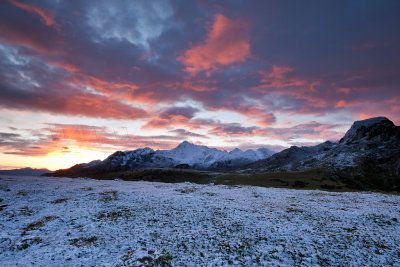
(25, 172)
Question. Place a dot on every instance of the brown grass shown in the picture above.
(83, 241)
(38, 224)
(309, 179)
(60, 200)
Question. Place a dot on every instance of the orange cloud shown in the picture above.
(46, 15)
(115, 89)
(81, 133)
(281, 81)
(71, 103)
(266, 119)
(199, 86)
(344, 104)
(277, 78)
(100, 107)
(227, 42)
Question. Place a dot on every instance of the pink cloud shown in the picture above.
(282, 81)
(345, 104)
(266, 119)
(115, 90)
(172, 117)
(227, 42)
(310, 130)
(71, 103)
(232, 130)
(33, 39)
(47, 16)
(100, 107)
(279, 77)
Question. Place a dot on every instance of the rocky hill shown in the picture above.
(368, 156)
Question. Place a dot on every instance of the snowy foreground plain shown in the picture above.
(68, 222)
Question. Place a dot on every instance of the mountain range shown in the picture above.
(185, 156)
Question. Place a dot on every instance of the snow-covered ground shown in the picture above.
(67, 222)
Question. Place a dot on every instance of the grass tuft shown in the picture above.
(83, 241)
(38, 224)
(108, 196)
(60, 200)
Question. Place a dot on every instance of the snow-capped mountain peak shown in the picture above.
(236, 151)
(186, 147)
(185, 144)
(188, 153)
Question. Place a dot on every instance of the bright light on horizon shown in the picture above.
(52, 161)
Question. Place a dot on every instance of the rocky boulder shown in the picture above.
(379, 129)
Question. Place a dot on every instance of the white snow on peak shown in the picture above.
(204, 156)
(236, 151)
(141, 151)
(193, 154)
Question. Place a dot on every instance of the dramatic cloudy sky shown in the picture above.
(81, 79)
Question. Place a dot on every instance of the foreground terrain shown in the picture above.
(62, 221)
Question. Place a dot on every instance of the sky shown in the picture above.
(82, 79)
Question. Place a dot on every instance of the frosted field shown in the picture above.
(73, 222)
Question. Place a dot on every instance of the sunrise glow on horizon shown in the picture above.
(80, 80)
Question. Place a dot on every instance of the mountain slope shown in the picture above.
(367, 155)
